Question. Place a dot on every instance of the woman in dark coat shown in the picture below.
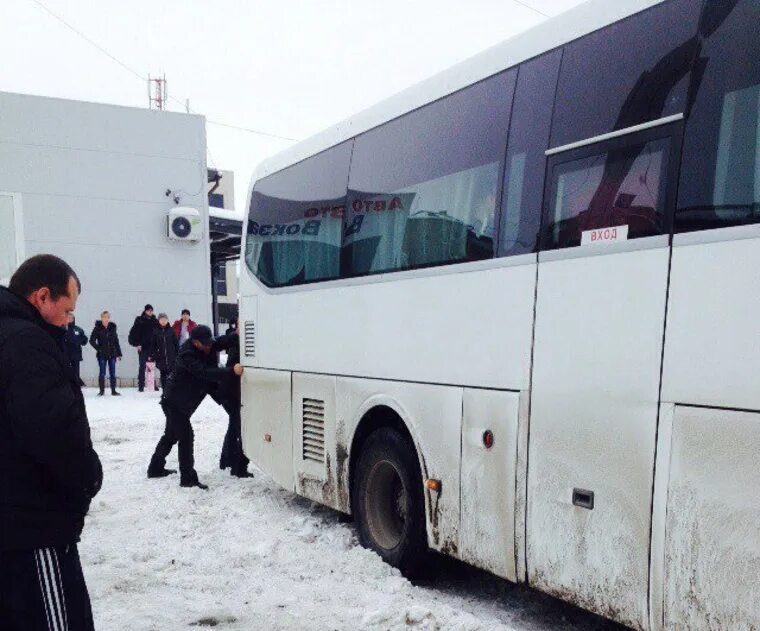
(74, 340)
(165, 346)
(105, 340)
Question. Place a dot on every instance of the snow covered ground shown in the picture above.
(249, 555)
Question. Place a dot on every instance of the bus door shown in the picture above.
(600, 311)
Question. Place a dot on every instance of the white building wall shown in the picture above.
(91, 181)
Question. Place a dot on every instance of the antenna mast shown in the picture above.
(157, 93)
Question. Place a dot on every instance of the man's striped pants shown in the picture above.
(43, 590)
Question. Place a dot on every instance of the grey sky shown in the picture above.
(285, 67)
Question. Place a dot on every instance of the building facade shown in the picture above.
(93, 184)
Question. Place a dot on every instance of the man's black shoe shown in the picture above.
(160, 473)
(141, 389)
(193, 483)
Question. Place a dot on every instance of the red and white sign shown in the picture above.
(605, 235)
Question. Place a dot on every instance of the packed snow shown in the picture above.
(249, 555)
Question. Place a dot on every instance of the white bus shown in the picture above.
(512, 314)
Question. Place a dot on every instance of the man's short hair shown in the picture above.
(185, 311)
(105, 313)
(43, 270)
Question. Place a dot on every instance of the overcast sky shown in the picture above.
(284, 67)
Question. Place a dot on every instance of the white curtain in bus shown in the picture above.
(447, 215)
(735, 185)
(312, 253)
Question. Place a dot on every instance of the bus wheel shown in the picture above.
(388, 502)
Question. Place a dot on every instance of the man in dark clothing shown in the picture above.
(196, 373)
(74, 341)
(105, 340)
(229, 398)
(141, 337)
(49, 471)
(165, 348)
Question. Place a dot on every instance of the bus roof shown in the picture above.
(548, 35)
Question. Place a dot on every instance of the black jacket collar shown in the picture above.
(13, 306)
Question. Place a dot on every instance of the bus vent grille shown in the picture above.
(250, 338)
(314, 430)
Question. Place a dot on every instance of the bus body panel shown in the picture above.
(487, 530)
(712, 350)
(314, 438)
(596, 379)
(712, 547)
(450, 327)
(267, 430)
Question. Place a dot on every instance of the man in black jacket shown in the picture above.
(229, 398)
(141, 337)
(165, 348)
(196, 374)
(49, 471)
(73, 342)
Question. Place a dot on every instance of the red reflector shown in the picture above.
(268, 438)
(488, 439)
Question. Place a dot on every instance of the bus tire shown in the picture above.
(388, 502)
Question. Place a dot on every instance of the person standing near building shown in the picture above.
(105, 340)
(184, 326)
(141, 337)
(49, 471)
(196, 373)
(165, 348)
(75, 339)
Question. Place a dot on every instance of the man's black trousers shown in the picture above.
(232, 448)
(43, 590)
(178, 431)
(165, 378)
(142, 359)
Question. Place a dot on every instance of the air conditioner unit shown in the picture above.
(184, 224)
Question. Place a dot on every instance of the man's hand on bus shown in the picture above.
(237, 369)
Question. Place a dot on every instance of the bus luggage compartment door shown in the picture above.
(712, 531)
(489, 462)
(267, 433)
(594, 404)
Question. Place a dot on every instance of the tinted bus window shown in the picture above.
(720, 171)
(622, 188)
(295, 224)
(423, 187)
(628, 73)
(526, 162)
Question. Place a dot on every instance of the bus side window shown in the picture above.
(423, 188)
(295, 228)
(720, 169)
(628, 73)
(611, 193)
(526, 162)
